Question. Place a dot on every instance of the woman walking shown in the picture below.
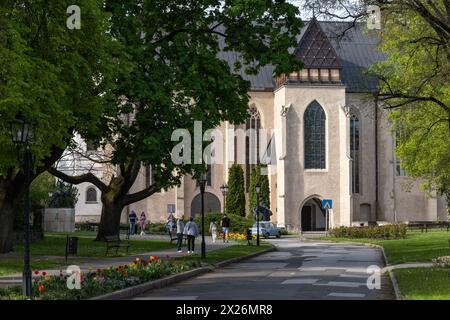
(213, 230)
(143, 221)
(191, 230)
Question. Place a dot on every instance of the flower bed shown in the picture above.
(102, 281)
(443, 262)
(236, 236)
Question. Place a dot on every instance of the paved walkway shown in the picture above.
(299, 270)
(16, 279)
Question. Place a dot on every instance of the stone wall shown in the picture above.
(59, 220)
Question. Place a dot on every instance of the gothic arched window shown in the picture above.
(315, 142)
(91, 194)
(252, 145)
(354, 151)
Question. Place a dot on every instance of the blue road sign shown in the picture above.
(327, 204)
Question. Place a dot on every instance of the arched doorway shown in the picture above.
(312, 216)
(212, 204)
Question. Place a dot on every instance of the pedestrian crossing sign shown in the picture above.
(327, 204)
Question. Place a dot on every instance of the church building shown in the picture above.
(333, 141)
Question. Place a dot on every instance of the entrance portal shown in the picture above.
(312, 216)
(212, 204)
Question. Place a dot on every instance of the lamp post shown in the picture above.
(202, 182)
(258, 190)
(21, 134)
(224, 190)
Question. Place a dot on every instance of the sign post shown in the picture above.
(327, 205)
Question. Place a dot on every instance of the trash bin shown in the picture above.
(249, 236)
(71, 246)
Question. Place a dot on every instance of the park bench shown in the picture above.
(173, 236)
(116, 242)
(425, 225)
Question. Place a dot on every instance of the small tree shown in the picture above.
(263, 181)
(236, 193)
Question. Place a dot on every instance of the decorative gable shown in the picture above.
(322, 64)
(315, 49)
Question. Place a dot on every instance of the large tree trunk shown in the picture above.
(10, 192)
(110, 219)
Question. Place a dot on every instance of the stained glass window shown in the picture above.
(354, 151)
(314, 126)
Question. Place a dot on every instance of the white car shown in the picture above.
(266, 229)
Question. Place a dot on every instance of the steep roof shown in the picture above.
(315, 49)
(355, 53)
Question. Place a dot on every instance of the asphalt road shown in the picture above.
(298, 270)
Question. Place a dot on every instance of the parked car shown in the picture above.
(266, 229)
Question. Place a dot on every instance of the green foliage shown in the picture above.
(415, 84)
(51, 74)
(263, 180)
(389, 232)
(239, 223)
(65, 196)
(177, 77)
(40, 189)
(236, 192)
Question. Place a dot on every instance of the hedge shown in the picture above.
(238, 224)
(389, 232)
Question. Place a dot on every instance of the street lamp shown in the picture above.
(21, 134)
(258, 190)
(224, 190)
(202, 182)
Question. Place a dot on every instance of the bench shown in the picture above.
(115, 242)
(173, 236)
(425, 225)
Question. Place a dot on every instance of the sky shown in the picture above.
(307, 14)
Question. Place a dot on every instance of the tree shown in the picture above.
(415, 86)
(263, 181)
(58, 77)
(177, 78)
(236, 193)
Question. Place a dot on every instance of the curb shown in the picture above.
(398, 293)
(165, 282)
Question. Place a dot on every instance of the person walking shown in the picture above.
(213, 230)
(143, 222)
(180, 230)
(225, 223)
(132, 219)
(191, 230)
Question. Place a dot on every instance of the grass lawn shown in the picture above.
(54, 247)
(424, 283)
(417, 247)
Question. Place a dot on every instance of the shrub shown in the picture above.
(238, 224)
(236, 193)
(263, 181)
(389, 232)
